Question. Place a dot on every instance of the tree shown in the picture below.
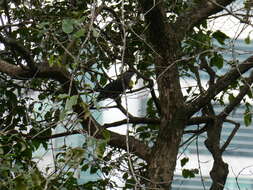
(55, 54)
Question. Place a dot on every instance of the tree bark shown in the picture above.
(164, 156)
(219, 174)
(220, 170)
(162, 162)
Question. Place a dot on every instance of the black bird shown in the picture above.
(115, 88)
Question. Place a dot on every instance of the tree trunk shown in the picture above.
(164, 39)
(163, 161)
(173, 120)
(219, 175)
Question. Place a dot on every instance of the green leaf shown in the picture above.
(71, 102)
(74, 156)
(141, 129)
(204, 23)
(1, 149)
(130, 183)
(106, 135)
(36, 177)
(93, 170)
(247, 115)
(67, 26)
(95, 33)
(100, 148)
(23, 146)
(51, 60)
(247, 118)
(145, 135)
(250, 94)
(189, 173)
(21, 183)
(62, 115)
(220, 37)
(79, 33)
(231, 97)
(85, 167)
(62, 96)
(103, 80)
(184, 161)
(151, 111)
(217, 60)
(247, 40)
(43, 25)
(125, 176)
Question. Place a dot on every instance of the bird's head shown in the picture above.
(128, 75)
(127, 78)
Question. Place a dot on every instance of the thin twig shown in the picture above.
(232, 134)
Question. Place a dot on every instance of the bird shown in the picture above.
(115, 88)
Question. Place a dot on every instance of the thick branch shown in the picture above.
(220, 85)
(155, 18)
(43, 71)
(236, 101)
(199, 120)
(13, 70)
(195, 15)
(24, 53)
(135, 146)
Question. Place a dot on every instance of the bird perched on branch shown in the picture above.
(115, 88)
